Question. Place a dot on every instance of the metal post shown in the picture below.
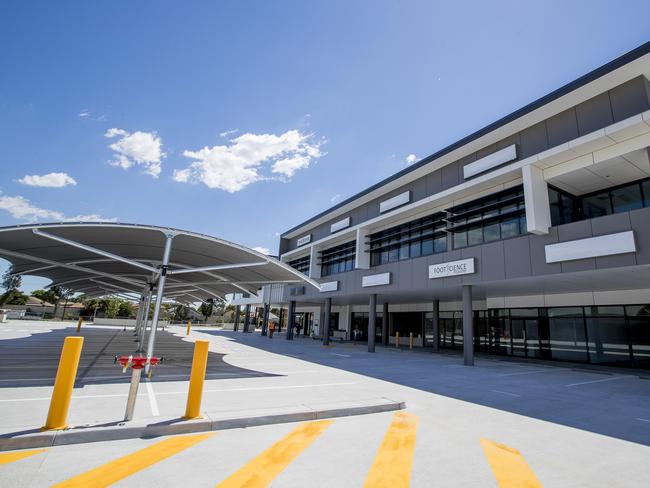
(384, 324)
(436, 325)
(280, 318)
(291, 323)
(372, 322)
(237, 314)
(265, 318)
(138, 317)
(468, 326)
(145, 319)
(160, 289)
(247, 318)
(136, 373)
(326, 322)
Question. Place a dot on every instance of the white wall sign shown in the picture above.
(341, 224)
(591, 247)
(329, 286)
(376, 280)
(304, 240)
(394, 202)
(452, 268)
(490, 161)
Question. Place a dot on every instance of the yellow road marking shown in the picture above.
(10, 457)
(509, 466)
(116, 470)
(394, 459)
(260, 471)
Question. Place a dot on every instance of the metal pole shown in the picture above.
(384, 324)
(291, 323)
(436, 325)
(160, 289)
(237, 318)
(265, 318)
(326, 322)
(247, 318)
(136, 373)
(372, 322)
(145, 319)
(468, 326)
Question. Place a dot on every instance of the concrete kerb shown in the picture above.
(30, 439)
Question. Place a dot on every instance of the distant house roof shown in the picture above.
(38, 301)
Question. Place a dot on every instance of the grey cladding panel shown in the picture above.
(538, 254)
(629, 99)
(533, 140)
(517, 257)
(450, 176)
(434, 182)
(492, 261)
(594, 114)
(562, 127)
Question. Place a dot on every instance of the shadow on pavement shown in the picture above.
(615, 404)
(33, 360)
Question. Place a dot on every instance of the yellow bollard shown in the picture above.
(397, 339)
(197, 377)
(79, 322)
(64, 383)
(410, 340)
(189, 326)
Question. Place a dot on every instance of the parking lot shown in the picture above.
(558, 425)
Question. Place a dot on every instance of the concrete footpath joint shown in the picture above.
(209, 421)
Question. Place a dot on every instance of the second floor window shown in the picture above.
(338, 259)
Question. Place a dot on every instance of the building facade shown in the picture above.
(530, 237)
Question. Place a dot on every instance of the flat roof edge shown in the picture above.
(583, 80)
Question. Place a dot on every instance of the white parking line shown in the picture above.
(528, 372)
(597, 381)
(506, 393)
(184, 392)
(642, 420)
(152, 400)
(342, 355)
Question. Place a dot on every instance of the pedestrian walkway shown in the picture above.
(391, 467)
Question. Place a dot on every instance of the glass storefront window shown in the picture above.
(567, 334)
(607, 332)
(597, 205)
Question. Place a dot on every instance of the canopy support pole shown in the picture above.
(160, 290)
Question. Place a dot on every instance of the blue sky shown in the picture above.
(240, 119)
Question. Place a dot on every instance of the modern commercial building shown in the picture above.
(530, 237)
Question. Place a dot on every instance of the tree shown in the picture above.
(45, 295)
(11, 282)
(207, 308)
(180, 313)
(125, 309)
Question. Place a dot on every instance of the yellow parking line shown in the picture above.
(260, 471)
(114, 471)
(10, 457)
(509, 466)
(394, 459)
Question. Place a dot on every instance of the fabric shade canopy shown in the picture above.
(108, 258)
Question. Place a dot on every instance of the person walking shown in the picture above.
(271, 329)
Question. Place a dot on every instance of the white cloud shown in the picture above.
(143, 148)
(21, 209)
(335, 198)
(84, 113)
(263, 250)
(234, 166)
(228, 132)
(410, 159)
(50, 180)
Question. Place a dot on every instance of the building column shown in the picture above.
(468, 326)
(247, 318)
(436, 324)
(265, 318)
(538, 209)
(237, 314)
(372, 321)
(384, 324)
(291, 323)
(326, 322)
(280, 318)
